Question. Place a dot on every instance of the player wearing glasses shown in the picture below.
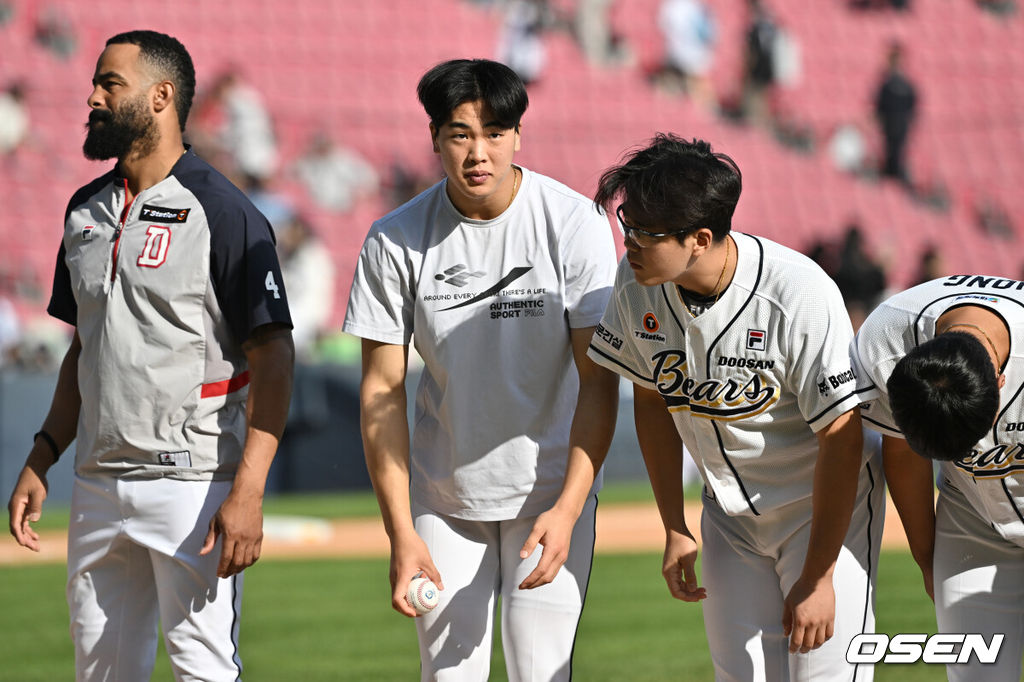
(738, 348)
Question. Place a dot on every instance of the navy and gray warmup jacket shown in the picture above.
(163, 290)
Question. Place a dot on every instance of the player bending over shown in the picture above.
(739, 348)
(947, 385)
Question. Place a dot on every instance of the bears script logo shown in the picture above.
(726, 399)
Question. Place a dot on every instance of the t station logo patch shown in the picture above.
(159, 214)
(651, 325)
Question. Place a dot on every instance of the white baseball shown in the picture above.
(422, 595)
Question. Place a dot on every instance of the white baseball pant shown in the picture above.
(749, 565)
(979, 588)
(133, 560)
(478, 561)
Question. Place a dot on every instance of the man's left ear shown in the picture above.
(1001, 381)
(704, 238)
(519, 136)
(163, 96)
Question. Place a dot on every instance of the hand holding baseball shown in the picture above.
(422, 595)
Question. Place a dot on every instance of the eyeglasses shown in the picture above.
(640, 237)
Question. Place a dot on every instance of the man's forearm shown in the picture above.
(271, 357)
(911, 485)
(593, 426)
(662, 451)
(836, 476)
(61, 421)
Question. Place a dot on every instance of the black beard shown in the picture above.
(131, 129)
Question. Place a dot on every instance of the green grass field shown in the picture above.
(331, 619)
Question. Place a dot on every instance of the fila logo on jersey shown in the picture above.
(159, 214)
(756, 339)
(458, 276)
(154, 253)
(87, 232)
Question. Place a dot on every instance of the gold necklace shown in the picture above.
(991, 345)
(721, 275)
(728, 249)
(515, 186)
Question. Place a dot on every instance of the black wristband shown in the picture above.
(49, 441)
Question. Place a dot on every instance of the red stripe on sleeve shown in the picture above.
(231, 385)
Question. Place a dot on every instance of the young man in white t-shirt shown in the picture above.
(738, 348)
(499, 276)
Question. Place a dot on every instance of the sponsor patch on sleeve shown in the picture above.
(608, 337)
(830, 383)
(159, 214)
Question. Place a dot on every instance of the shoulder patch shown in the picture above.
(159, 214)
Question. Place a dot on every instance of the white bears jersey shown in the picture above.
(748, 382)
(489, 305)
(992, 476)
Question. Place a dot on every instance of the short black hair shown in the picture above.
(171, 61)
(944, 395)
(675, 185)
(449, 84)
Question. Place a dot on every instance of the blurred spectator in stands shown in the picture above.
(848, 149)
(993, 218)
(273, 205)
(10, 330)
(521, 43)
(232, 121)
(404, 183)
(690, 33)
(42, 345)
(895, 110)
(53, 30)
(860, 279)
(929, 266)
(14, 122)
(308, 273)
(759, 64)
(1002, 8)
(600, 44)
(899, 5)
(335, 176)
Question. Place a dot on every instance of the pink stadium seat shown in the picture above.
(353, 67)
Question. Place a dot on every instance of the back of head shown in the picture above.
(944, 395)
(449, 84)
(169, 60)
(675, 185)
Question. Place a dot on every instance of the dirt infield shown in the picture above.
(620, 528)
